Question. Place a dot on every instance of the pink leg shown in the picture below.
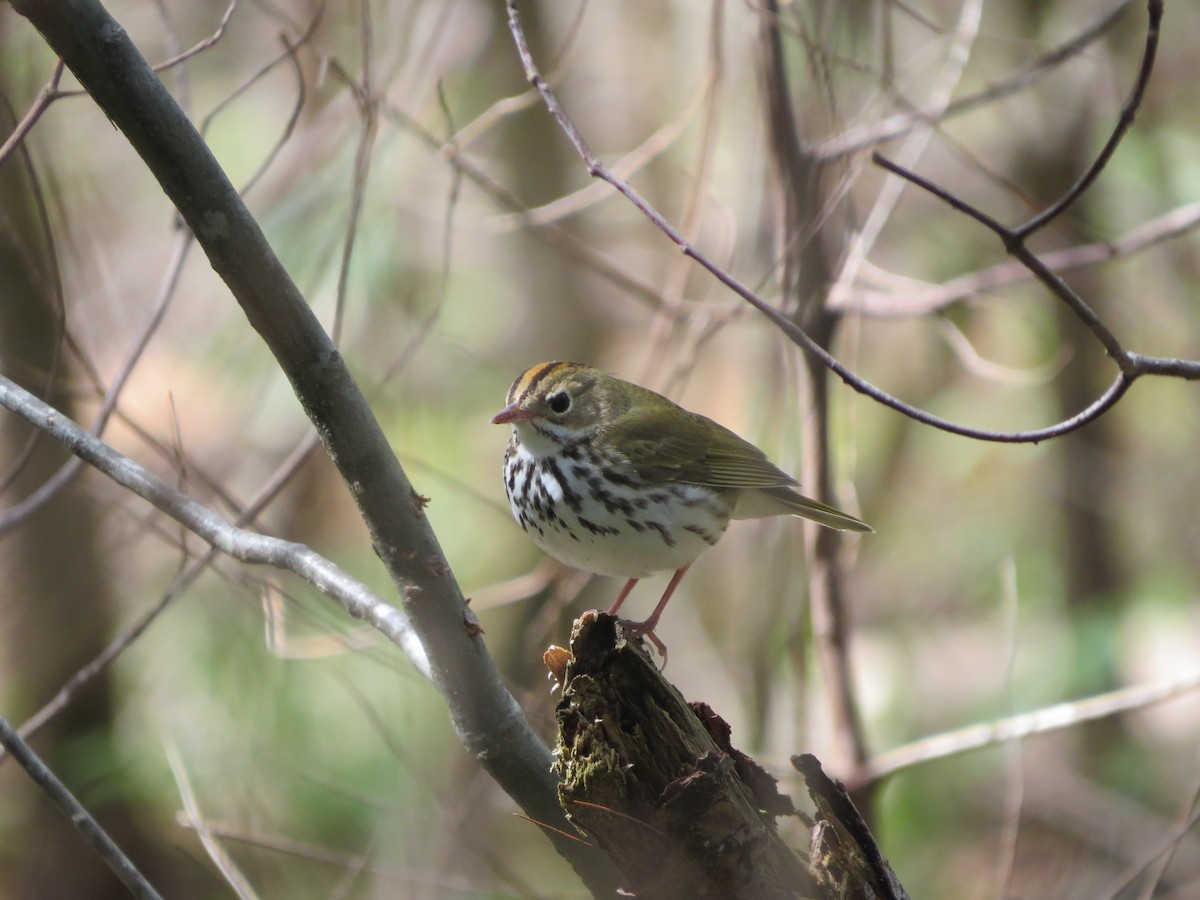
(646, 628)
(621, 596)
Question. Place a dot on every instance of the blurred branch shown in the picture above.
(193, 819)
(552, 233)
(1132, 365)
(182, 581)
(898, 125)
(487, 718)
(80, 818)
(16, 514)
(814, 237)
(289, 53)
(940, 96)
(922, 301)
(247, 546)
(363, 92)
(41, 103)
(55, 294)
(1157, 858)
(632, 162)
(1042, 721)
(35, 500)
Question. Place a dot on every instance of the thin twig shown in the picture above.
(192, 816)
(57, 295)
(1129, 108)
(131, 632)
(1042, 721)
(247, 546)
(47, 490)
(917, 299)
(900, 124)
(47, 95)
(812, 239)
(368, 107)
(202, 45)
(1185, 818)
(1165, 846)
(1132, 365)
(15, 515)
(80, 818)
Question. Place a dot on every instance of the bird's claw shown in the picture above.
(646, 630)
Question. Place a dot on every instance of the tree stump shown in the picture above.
(657, 784)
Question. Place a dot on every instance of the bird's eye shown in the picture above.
(559, 403)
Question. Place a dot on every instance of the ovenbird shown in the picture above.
(612, 478)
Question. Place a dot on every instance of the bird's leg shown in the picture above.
(646, 628)
(621, 596)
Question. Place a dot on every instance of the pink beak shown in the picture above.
(511, 414)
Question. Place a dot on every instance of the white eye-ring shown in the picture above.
(559, 403)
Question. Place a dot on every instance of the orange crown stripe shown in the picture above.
(532, 377)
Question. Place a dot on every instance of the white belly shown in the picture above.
(626, 530)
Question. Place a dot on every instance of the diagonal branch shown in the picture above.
(486, 717)
(247, 546)
(1132, 365)
(81, 819)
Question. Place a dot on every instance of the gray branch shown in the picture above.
(99, 839)
(248, 546)
(487, 718)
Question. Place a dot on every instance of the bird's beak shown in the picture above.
(511, 414)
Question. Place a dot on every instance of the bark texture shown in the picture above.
(657, 784)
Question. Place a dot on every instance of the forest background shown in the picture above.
(439, 222)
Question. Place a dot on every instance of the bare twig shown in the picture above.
(368, 108)
(1014, 238)
(57, 296)
(1132, 365)
(131, 632)
(81, 819)
(289, 53)
(16, 514)
(247, 546)
(900, 124)
(914, 147)
(632, 162)
(195, 820)
(1129, 109)
(1184, 820)
(813, 239)
(919, 300)
(47, 95)
(180, 58)
(486, 717)
(1042, 721)
(553, 233)
(202, 45)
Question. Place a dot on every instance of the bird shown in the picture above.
(613, 478)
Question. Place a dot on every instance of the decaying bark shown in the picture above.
(656, 783)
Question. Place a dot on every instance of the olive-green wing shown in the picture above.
(667, 443)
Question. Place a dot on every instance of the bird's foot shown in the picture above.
(646, 630)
